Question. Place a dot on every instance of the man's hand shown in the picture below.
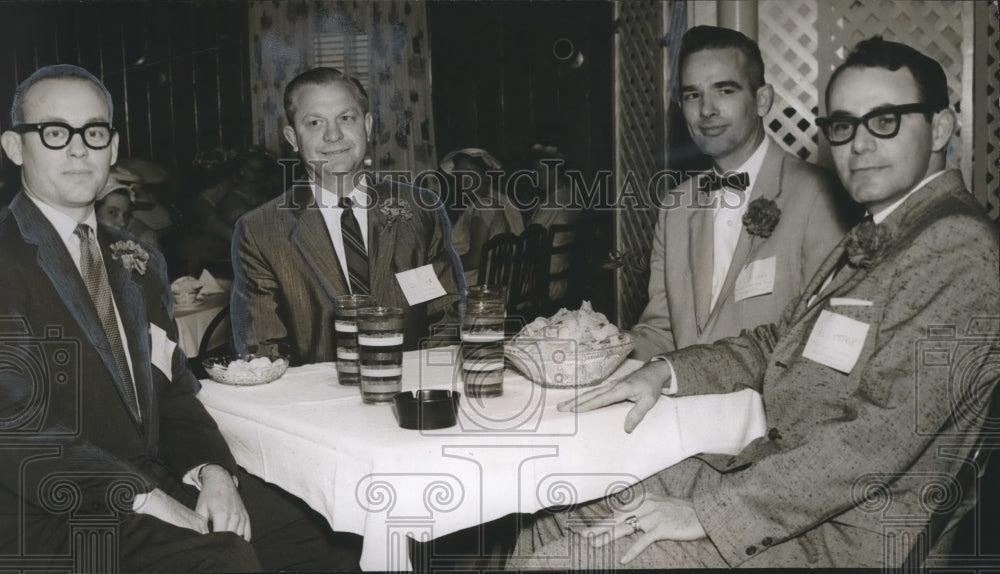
(168, 509)
(641, 387)
(658, 517)
(220, 503)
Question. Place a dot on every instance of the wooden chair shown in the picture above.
(496, 264)
(519, 263)
(204, 352)
(562, 245)
(528, 290)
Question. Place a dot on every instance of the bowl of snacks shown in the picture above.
(245, 370)
(571, 349)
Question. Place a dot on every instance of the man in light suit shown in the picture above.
(876, 380)
(100, 423)
(711, 274)
(292, 256)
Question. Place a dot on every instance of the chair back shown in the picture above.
(562, 267)
(519, 263)
(220, 321)
(529, 285)
(496, 265)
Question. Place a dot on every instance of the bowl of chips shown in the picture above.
(571, 349)
(245, 370)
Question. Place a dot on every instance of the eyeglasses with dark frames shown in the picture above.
(881, 122)
(57, 135)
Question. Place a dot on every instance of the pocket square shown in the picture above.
(849, 302)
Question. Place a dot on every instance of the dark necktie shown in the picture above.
(354, 249)
(96, 279)
(713, 182)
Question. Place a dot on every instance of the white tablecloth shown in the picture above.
(516, 453)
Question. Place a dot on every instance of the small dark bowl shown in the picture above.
(426, 409)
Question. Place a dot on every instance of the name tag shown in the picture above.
(420, 285)
(161, 350)
(757, 278)
(836, 341)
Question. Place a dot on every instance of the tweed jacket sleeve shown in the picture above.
(257, 325)
(883, 418)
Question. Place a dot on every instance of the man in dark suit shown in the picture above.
(101, 425)
(876, 380)
(711, 274)
(336, 233)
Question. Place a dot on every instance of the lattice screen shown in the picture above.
(788, 44)
(640, 130)
(992, 176)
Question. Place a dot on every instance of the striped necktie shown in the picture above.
(354, 249)
(96, 279)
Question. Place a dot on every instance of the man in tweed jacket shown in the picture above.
(288, 254)
(876, 381)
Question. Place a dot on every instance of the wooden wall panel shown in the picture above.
(176, 70)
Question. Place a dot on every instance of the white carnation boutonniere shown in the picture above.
(131, 254)
(394, 210)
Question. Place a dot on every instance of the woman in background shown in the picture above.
(488, 211)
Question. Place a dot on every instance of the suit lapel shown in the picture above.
(766, 185)
(65, 277)
(131, 307)
(380, 245)
(310, 236)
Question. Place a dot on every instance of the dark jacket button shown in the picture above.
(773, 433)
(751, 550)
(767, 541)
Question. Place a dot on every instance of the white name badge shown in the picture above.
(836, 341)
(420, 285)
(757, 278)
(161, 350)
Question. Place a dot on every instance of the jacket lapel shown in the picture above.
(309, 235)
(766, 185)
(381, 246)
(57, 263)
(132, 309)
(899, 222)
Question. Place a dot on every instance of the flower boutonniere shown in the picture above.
(865, 243)
(131, 254)
(394, 210)
(761, 217)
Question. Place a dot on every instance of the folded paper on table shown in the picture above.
(209, 284)
(185, 284)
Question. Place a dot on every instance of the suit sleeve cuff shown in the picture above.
(672, 388)
(193, 476)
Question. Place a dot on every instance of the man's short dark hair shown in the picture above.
(878, 53)
(320, 77)
(715, 38)
(57, 71)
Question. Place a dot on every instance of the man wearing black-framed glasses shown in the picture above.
(877, 380)
(85, 322)
(57, 135)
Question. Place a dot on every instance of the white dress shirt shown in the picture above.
(728, 220)
(329, 204)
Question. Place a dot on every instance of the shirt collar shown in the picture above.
(64, 225)
(892, 207)
(326, 198)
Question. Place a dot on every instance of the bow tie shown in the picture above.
(709, 182)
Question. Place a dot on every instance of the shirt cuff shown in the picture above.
(139, 500)
(193, 476)
(672, 389)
